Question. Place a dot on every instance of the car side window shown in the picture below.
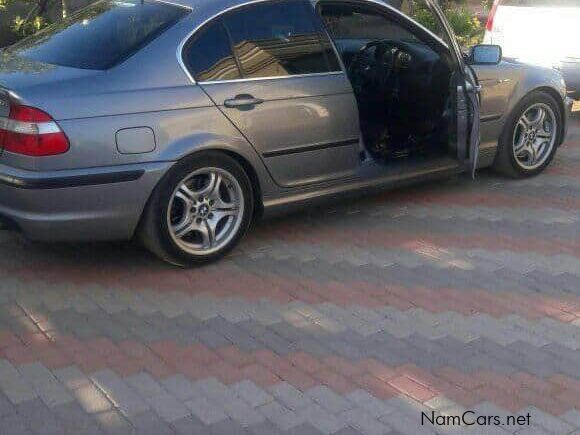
(361, 23)
(209, 56)
(281, 38)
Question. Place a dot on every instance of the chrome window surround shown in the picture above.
(256, 79)
(181, 46)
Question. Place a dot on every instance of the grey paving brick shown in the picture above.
(71, 377)
(282, 417)
(242, 413)
(7, 370)
(572, 417)
(214, 390)
(265, 428)
(364, 422)
(168, 407)
(227, 427)
(36, 374)
(114, 423)
(145, 385)
(5, 406)
(53, 393)
(328, 399)
(180, 387)
(189, 425)
(39, 418)
(206, 411)
(127, 400)
(149, 423)
(72, 417)
(364, 400)
(321, 419)
(552, 424)
(16, 390)
(303, 429)
(251, 394)
(289, 396)
(14, 424)
(92, 399)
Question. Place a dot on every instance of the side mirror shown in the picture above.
(485, 55)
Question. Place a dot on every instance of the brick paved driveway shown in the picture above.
(353, 320)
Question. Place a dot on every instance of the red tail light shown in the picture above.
(31, 132)
(491, 16)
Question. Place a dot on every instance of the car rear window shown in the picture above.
(541, 3)
(101, 35)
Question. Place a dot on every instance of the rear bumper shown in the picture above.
(77, 205)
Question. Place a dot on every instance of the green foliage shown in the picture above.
(466, 26)
(23, 27)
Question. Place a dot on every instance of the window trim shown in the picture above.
(191, 35)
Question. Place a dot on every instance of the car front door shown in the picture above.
(468, 98)
(280, 83)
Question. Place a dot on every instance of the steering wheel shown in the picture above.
(373, 67)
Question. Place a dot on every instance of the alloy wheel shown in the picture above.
(205, 211)
(534, 136)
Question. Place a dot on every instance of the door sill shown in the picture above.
(371, 177)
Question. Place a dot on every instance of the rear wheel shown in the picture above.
(531, 136)
(199, 211)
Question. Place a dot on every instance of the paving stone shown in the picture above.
(550, 423)
(328, 399)
(53, 394)
(16, 390)
(321, 419)
(113, 422)
(180, 387)
(39, 418)
(364, 400)
(36, 374)
(282, 417)
(290, 397)
(265, 428)
(71, 377)
(92, 399)
(72, 417)
(189, 425)
(364, 422)
(7, 370)
(242, 413)
(144, 385)
(119, 393)
(227, 427)
(14, 424)
(251, 394)
(168, 407)
(206, 411)
(149, 423)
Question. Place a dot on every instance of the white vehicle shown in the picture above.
(541, 32)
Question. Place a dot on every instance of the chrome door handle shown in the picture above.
(242, 101)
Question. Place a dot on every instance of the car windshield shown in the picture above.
(101, 35)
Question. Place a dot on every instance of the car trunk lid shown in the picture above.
(19, 74)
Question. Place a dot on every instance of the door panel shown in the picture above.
(305, 128)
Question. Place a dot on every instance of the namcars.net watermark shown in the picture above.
(470, 418)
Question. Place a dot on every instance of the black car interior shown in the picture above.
(401, 83)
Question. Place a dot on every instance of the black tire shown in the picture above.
(154, 230)
(505, 162)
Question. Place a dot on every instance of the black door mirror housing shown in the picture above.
(484, 54)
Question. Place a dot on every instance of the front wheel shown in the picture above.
(531, 136)
(199, 211)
